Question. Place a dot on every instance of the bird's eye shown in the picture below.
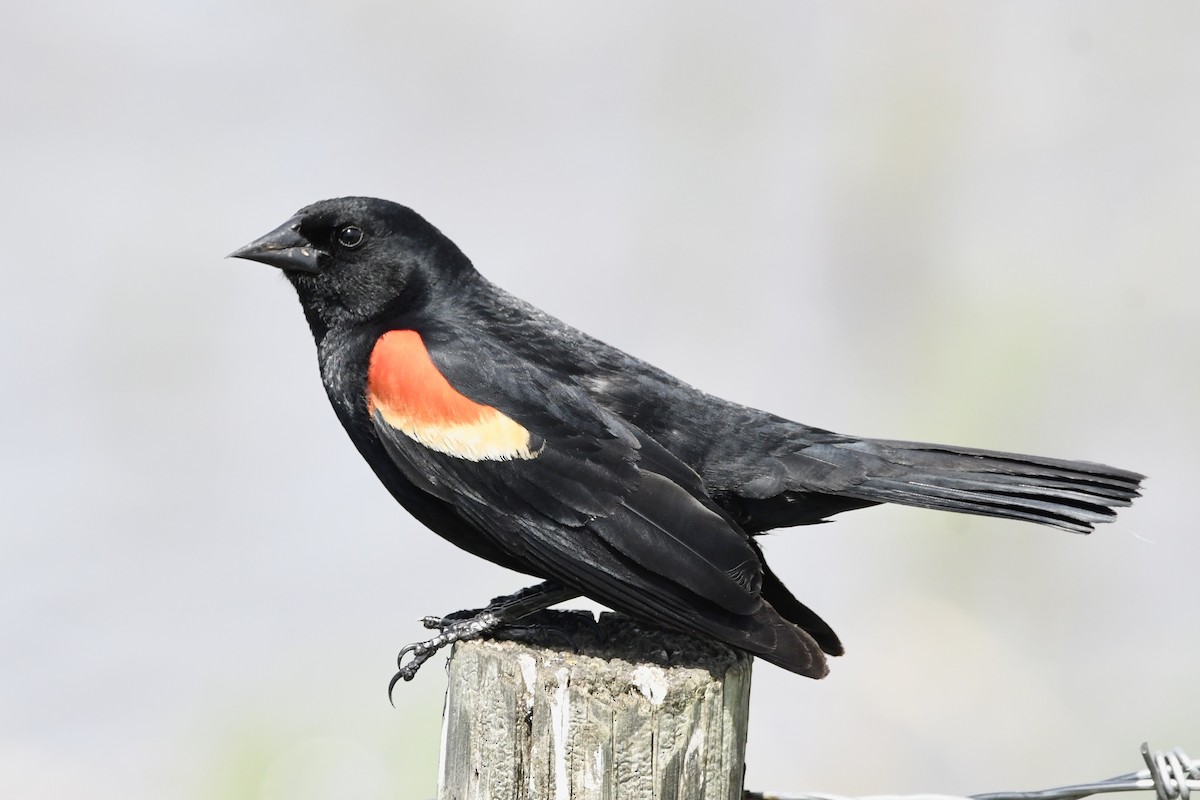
(350, 236)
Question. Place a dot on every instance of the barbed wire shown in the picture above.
(1171, 775)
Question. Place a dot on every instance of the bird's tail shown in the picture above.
(1072, 495)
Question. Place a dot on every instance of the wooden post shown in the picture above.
(628, 712)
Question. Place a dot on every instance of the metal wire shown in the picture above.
(1171, 775)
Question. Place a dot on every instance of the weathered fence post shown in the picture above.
(623, 712)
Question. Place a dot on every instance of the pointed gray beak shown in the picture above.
(284, 248)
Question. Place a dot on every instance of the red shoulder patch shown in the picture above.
(406, 388)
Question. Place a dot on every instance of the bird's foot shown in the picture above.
(530, 632)
(454, 628)
(500, 615)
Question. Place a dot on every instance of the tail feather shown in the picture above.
(1072, 495)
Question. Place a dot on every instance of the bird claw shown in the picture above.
(452, 630)
(463, 625)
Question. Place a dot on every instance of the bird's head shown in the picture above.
(354, 259)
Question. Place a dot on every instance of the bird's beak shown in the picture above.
(283, 247)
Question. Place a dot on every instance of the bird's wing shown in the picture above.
(547, 474)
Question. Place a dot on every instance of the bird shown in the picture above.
(533, 445)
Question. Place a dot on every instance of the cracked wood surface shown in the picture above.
(628, 713)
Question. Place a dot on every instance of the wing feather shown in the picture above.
(591, 475)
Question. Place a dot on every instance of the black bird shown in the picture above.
(529, 443)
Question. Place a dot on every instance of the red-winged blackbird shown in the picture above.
(528, 443)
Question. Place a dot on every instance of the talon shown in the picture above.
(421, 652)
(392, 685)
(464, 625)
(408, 648)
(407, 673)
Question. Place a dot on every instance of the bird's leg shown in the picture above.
(463, 625)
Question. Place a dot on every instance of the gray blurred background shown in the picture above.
(963, 222)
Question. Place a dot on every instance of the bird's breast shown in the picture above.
(410, 393)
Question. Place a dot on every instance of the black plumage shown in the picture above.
(529, 443)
